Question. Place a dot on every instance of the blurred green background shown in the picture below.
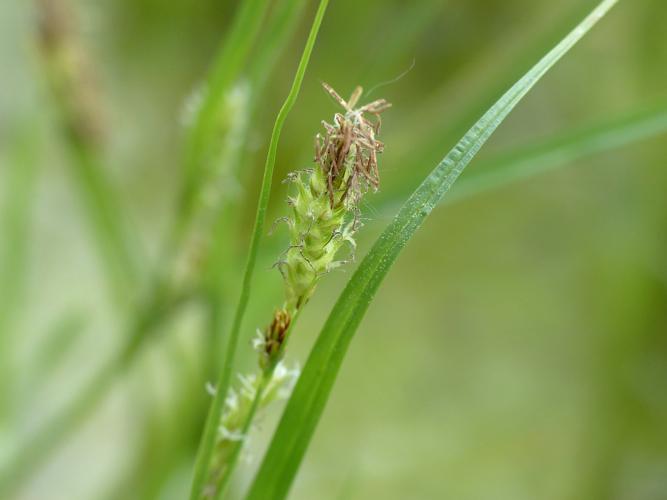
(517, 350)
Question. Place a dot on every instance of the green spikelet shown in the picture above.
(324, 204)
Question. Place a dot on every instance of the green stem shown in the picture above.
(208, 440)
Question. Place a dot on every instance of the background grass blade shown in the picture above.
(76, 103)
(209, 436)
(227, 66)
(98, 198)
(561, 150)
(305, 407)
(15, 225)
(554, 152)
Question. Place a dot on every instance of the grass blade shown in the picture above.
(560, 150)
(306, 405)
(464, 107)
(211, 428)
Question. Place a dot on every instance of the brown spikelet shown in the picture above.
(276, 332)
(350, 141)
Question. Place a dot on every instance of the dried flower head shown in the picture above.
(347, 153)
(325, 203)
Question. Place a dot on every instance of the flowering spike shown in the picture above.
(324, 200)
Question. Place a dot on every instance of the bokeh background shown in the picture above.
(518, 348)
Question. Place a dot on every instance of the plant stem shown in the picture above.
(266, 376)
(210, 431)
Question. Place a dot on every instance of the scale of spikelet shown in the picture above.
(325, 203)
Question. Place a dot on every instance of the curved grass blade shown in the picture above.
(209, 436)
(516, 52)
(310, 395)
(561, 150)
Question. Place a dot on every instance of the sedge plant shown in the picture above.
(322, 221)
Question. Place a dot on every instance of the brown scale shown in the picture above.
(275, 333)
(353, 130)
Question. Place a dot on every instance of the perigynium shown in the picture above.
(322, 223)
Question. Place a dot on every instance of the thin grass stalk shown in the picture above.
(224, 259)
(210, 431)
(219, 275)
